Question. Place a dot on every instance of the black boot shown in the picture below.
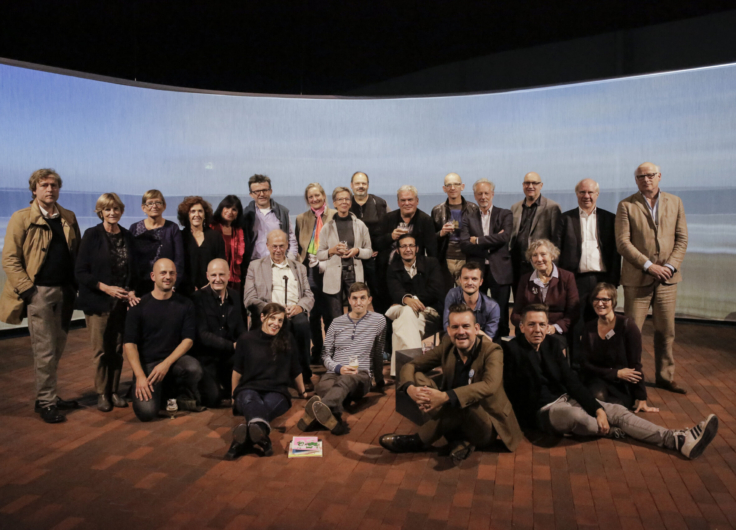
(402, 443)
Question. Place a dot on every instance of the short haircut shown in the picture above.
(554, 252)
(656, 167)
(607, 288)
(41, 174)
(460, 308)
(108, 200)
(484, 181)
(358, 287)
(360, 173)
(534, 308)
(341, 189)
(182, 212)
(406, 236)
(597, 188)
(471, 266)
(405, 188)
(258, 179)
(152, 194)
(277, 232)
(316, 185)
(231, 201)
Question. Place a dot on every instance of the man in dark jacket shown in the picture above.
(416, 288)
(219, 326)
(549, 393)
(370, 209)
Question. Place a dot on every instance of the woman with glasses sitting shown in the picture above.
(611, 354)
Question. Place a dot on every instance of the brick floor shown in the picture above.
(110, 471)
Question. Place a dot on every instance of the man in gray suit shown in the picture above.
(535, 217)
(276, 278)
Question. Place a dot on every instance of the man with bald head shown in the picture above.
(651, 235)
(535, 217)
(586, 237)
(448, 218)
(278, 278)
(219, 326)
(159, 332)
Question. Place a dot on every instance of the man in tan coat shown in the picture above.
(470, 407)
(41, 244)
(651, 235)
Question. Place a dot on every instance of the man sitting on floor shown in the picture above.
(486, 310)
(554, 398)
(353, 353)
(470, 408)
(159, 331)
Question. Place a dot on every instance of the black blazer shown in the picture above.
(427, 284)
(569, 239)
(218, 327)
(93, 266)
(423, 231)
(493, 247)
(196, 257)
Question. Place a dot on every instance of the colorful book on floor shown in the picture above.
(305, 446)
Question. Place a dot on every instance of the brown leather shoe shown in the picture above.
(118, 401)
(103, 404)
(671, 386)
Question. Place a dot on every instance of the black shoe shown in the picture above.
(103, 404)
(118, 401)
(61, 404)
(402, 443)
(236, 449)
(341, 428)
(670, 386)
(259, 437)
(460, 451)
(50, 414)
(190, 405)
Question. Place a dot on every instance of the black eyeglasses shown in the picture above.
(258, 192)
(602, 300)
(648, 176)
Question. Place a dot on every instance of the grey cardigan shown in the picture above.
(259, 284)
(328, 239)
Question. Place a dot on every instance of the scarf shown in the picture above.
(314, 242)
(237, 250)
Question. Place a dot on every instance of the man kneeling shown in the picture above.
(553, 397)
(470, 409)
(353, 353)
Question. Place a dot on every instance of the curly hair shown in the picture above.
(554, 252)
(182, 212)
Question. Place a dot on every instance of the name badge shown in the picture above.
(610, 334)
(470, 376)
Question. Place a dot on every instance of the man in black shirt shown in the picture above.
(549, 394)
(219, 326)
(159, 331)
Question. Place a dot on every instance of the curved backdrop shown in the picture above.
(103, 136)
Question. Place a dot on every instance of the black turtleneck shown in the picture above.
(260, 369)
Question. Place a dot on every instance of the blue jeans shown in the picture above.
(261, 407)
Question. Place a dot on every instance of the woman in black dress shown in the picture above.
(611, 354)
(265, 365)
(201, 243)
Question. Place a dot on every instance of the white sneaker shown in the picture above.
(692, 442)
(171, 405)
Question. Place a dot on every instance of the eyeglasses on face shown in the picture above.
(260, 192)
(535, 184)
(602, 301)
(402, 247)
(648, 176)
(152, 204)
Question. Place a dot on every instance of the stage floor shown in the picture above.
(111, 471)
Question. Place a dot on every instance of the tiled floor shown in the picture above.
(108, 471)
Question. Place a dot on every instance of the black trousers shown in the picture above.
(181, 381)
(216, 382)
(618, 393)
(585, 283)
(501, 295)
(335, 302)
(320, 312)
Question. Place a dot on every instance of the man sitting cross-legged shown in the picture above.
(353, 353)
(554, 398)
(470, 408)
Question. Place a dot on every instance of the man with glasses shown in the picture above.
(448, 218)
(535, 217)
(260, 217)
(651, 235)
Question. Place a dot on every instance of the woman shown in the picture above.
(155, 238)
(226, 221)
(104, 271)
(201, 243)
(308, 233)
(611, 354)
(548, 285)
(265, 364)
(345, 243)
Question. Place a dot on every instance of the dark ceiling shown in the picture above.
(300, 46)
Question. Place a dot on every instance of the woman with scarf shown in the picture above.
(308, 228)
(227, 220)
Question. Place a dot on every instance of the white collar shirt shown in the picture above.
(278, 271)
(485, 221)
(590, 252)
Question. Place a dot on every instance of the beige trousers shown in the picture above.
(410, 328)
(106, 339)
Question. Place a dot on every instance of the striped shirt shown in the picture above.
(348, 338)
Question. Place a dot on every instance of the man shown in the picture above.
(486, 311)
(651, 235)
(283, 280)
(535, 217)
(353, 354)
(448, 218)
(484, 237)
(470, 408)
(416, 289)
(550, 395)
(159, 332)
(219, 326)
(261, 216)
(41, 245)
(369, 209)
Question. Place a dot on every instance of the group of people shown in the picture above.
(177, 302)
